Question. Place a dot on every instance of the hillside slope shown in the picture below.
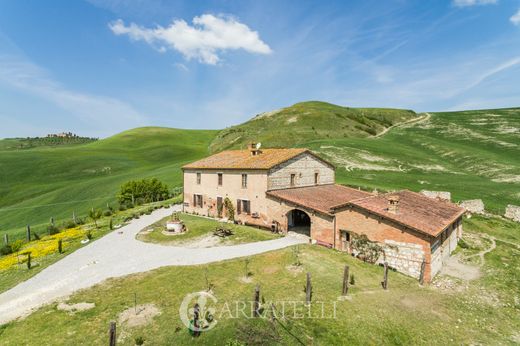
(473, 154)
(307, 121)
(53, 182)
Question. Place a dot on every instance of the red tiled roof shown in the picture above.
(321, 198)
(424, 214)
(242, 159)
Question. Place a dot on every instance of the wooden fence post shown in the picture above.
(256, 303)
(423, 269)
(384, 283)
(308, 289)
(6, 239)
(60, 245)
(112, 334)
(28, 260)
(344, 291)
(28, 233)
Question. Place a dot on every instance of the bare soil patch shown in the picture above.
(140, 315)
(75, 307)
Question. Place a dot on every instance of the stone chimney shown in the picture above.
(393, 204)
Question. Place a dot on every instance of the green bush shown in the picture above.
(107, 213)
(53, 229)
(68, 224)
(230, 209)
(139, 340)
(352, 279)
(6, 250)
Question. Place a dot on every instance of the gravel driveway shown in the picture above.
(117, 255)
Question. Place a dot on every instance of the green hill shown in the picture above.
(472, 154)
(43, 182)
(307, 121)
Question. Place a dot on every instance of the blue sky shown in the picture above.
(100, 67)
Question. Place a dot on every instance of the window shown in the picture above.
(198, 178)
(244, 181)
(219, 179)
(243, 206)
(197, 201)
(293, 179)
(316, 178)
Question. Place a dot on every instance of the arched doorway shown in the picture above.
(299, 221)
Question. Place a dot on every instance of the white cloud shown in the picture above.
(203, 40)
(466, 3)
(515, 19)
(100, 113)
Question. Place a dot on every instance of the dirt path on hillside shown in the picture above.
(418, 120)
(456, 268)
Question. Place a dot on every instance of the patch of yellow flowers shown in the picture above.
(45, 246)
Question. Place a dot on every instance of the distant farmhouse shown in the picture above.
(294, 190)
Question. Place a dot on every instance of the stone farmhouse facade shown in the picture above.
(294, 190)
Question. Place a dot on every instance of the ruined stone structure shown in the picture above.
(445, 195)
(293, 190)
(475, 206)
(513, 212)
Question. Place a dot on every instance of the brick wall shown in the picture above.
(404, 249)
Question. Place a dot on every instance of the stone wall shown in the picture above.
(445, 195)
(513, 212)
(473, 206)
(406, 258)
(304, 167)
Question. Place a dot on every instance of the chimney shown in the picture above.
(253, 149)
(393, 204)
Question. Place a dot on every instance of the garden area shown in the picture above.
(201, 231)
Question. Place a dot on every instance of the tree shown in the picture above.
(144, 190)
(95, 214)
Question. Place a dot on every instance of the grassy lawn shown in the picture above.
(483, 311)
(10, 277)
(199, 227)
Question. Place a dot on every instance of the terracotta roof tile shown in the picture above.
(242, 159)
(320, 198)
(424, 214)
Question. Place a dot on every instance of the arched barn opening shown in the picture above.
(299, 221)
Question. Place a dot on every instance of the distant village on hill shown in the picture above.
(51, 139)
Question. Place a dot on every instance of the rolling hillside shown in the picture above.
(473, 154)
(44, 182)
(308, 121)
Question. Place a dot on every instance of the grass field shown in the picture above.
(40, 183)
(200, 227)
(484, 311)
(473, 154)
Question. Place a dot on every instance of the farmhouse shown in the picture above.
(294, 190)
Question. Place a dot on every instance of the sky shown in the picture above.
(100, 67)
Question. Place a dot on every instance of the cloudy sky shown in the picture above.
(99, 67)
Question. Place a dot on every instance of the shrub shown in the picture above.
(230, 209)
(17, 245)
(139, 340)
(368, 251)
(68, 224)
(80, 221)
(53, 229)
(6, 250)
(60, 245)
(352, 279)
(111, 224)
(122, 207)
(95, 214)
(107, 213)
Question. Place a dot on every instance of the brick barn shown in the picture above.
(294, 190)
